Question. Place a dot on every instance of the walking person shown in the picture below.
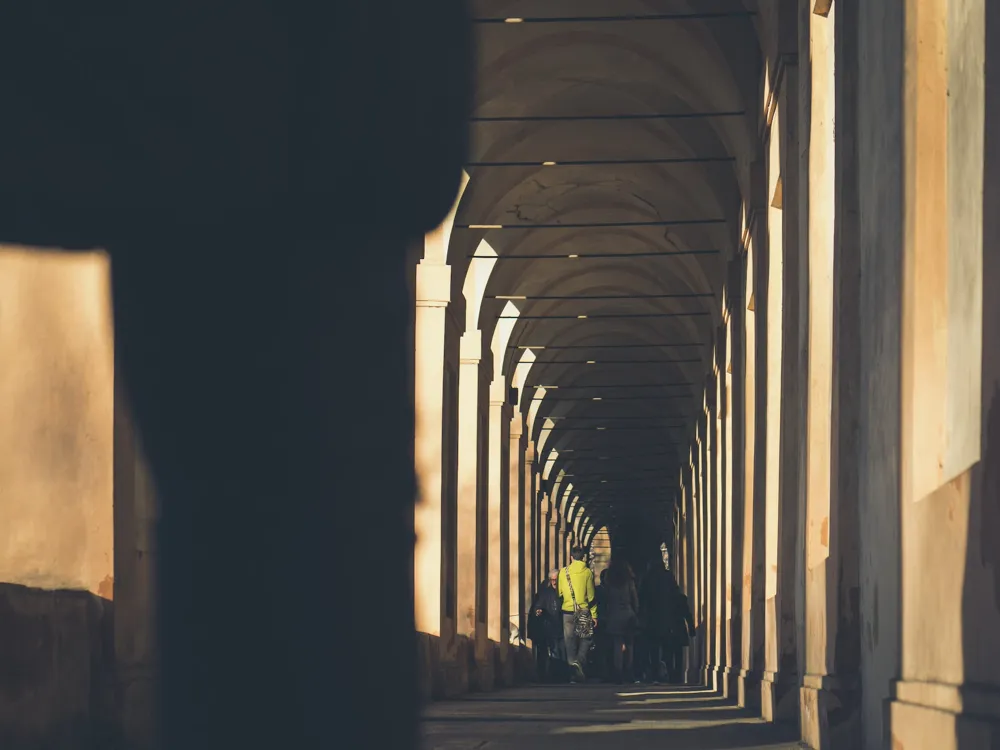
(576, 587)
(655, 613)
(545, 627)
(681, 630)
(620, 618)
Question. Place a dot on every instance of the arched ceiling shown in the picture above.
(651, 124)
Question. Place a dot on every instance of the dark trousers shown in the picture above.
(652, 651)
(621, 657)
(550, 658)
(673, 655)
(576, 648)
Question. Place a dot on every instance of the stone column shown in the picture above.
(498, 619)
(712, 537)
(941, 260)
(135, 512)
(57, 556)
(734, 406)
(784, 416)
(544, 542)
(707, 556)
(433, 292)
(730, 542)
(697, 556)
(555, 541)
(516, 525)
(754, 504)
(530, 509)
(829, 700)
(469, 548)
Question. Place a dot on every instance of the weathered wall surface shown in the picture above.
(56, 387)
(56, 670)
(56, 477)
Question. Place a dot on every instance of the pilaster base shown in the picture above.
(748, 689)
(779, 697)
(707, 677)
(730, 682)
(719, 679)
(503, 665)
(829, 713)
(945, 717)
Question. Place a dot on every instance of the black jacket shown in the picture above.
(549, 623)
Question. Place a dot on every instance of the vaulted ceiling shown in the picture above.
(611, 144)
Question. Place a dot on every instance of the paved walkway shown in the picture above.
(592, 716)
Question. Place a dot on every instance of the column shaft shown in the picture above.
(469, 451)
(433, 287)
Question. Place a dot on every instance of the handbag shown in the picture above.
(583, 622)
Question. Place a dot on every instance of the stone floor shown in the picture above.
(592, 716)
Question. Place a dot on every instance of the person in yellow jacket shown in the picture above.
(582, 579)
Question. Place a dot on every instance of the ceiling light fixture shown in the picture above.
(485, 226)
(581, 317)
(572, 256)
(596, 398)
(510, 296)
(548, 163)
(591, 361)
(531, 347)
(513, 20)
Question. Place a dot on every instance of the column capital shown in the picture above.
(433, 288)
(471, 348)
(516, 426)
(498, 391)
(529, 452)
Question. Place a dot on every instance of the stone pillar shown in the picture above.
(698, 553)
(713, 526)
(555, 542)
(732, 539)
(754, 403)
(707, 550)
(784, 415)
(433, 292)
(136, 654)
(735, 411)
(829, 701)
(57, 560)
(498, 618)
(714, 425)
(470, 549)
(942, 261)
(528, 559)
(516, 606)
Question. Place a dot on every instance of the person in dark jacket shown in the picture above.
(545, 628)
(620, 617)
(654, 606)
(680, 630)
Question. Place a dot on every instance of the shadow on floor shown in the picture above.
(588, 717)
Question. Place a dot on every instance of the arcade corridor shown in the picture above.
(329, 314)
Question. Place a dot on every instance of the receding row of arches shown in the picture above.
(661, 309)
